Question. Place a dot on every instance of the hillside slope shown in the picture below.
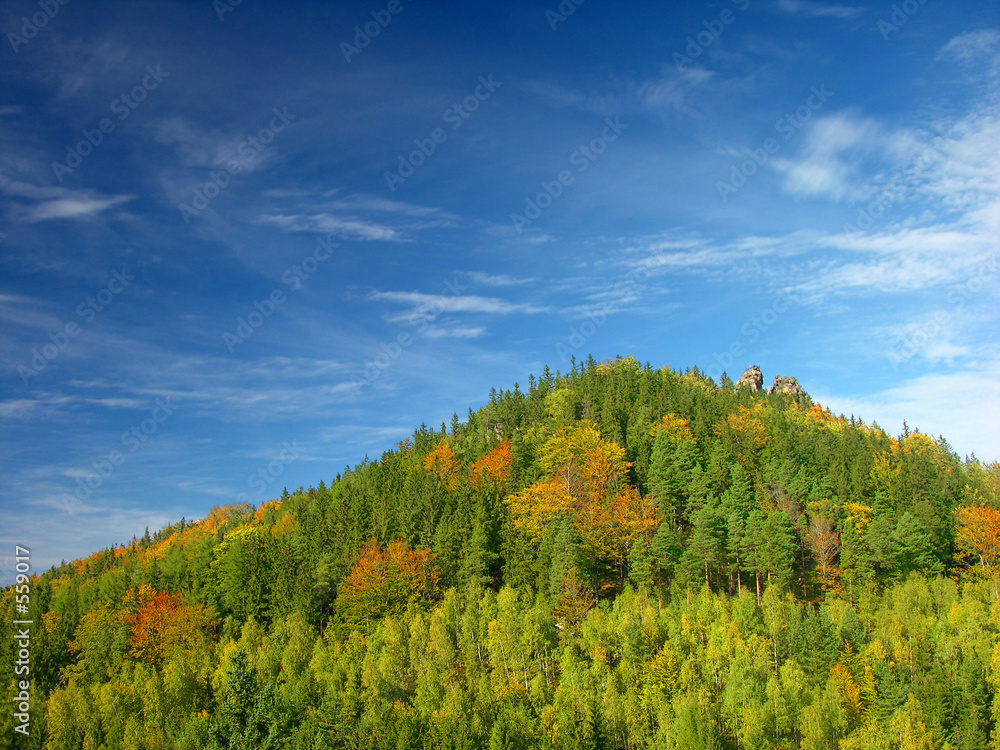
(619, 557)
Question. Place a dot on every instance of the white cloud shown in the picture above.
(830, 157)
(51, 203)
(455, 332)
(92, 527)
(668, 92)
(73, 208)
(930, 220)
(561, 97)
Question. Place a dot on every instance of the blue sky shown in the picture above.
(244, 245)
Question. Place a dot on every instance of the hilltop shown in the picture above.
(615, 557)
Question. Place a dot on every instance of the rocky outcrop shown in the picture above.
(753, 379)
(786, 385)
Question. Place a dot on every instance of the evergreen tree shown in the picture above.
(247, 712)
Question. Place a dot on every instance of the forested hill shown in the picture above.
(618, 557)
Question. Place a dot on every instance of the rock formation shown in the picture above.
(786, 385)
(752, 379)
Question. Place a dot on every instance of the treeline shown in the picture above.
(617, 557)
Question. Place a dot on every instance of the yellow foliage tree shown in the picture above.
(743, 432)
(573, 604)
(673, 427)
(586, 480)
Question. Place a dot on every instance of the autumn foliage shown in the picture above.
(979, 537)
(576, 600)
(159, 623)
(586, 482)
(442, 463)
(492, 471)
(743, 432)
(675, 428)
(384, 582)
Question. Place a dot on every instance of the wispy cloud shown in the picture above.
(931, 213)
(50, 203)
(498, 280)
(77, 207)
(975, 47)
(668, 92)
(49, 404)
(326, 223)
(818, 9)
(831, 157)
(357, 217)
(208, 149)
(673, 90)
(430, 306)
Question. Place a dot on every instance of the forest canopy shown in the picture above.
(615, 557)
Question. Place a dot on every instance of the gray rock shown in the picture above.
(786, 385)
(752, 379)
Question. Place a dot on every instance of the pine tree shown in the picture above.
(247, 713)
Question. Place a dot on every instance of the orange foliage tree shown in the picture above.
(586, 480)
(146, 626)
(160, 623)
(384, 582)
(491, 473)
(442, 463)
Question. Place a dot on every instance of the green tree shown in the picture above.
(247, 712)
